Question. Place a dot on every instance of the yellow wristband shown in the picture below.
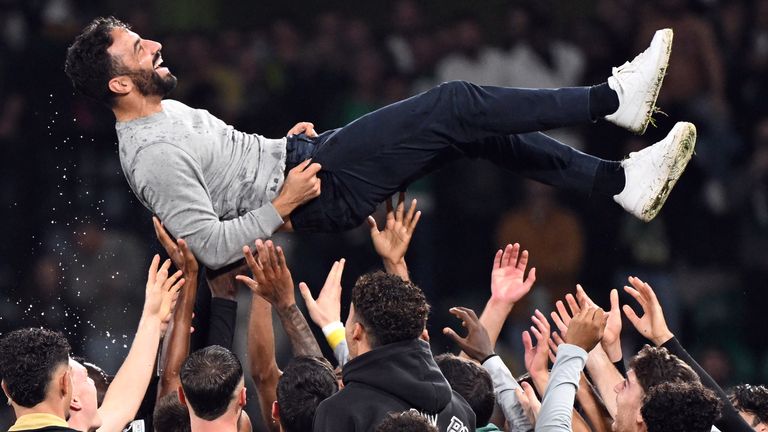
(336, 337)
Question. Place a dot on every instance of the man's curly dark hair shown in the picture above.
(656, 365)
(752, 399)
(408, 421)
(390, 309)
(680, 407)
(472, 382)
(88, 64)
(305, 383)
(28, 359)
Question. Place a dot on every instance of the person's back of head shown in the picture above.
(472, 382)
(655, 365)
(389, 308)
(32, 362)
(171, 415)
(680, 407)
(752, 403)
(100, 378)
(305, 382)
(409, 421)
(211, 380)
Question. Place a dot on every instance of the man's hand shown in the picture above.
(508, 282)
(531, 404)
(301, 185)
(562, 318)
(162, 290)
(652, 324)
(586, 328)
(177, 251)
(306, 128)
(537, 357)
(611, 341)
(392, 242)
(327, 308)
(273, 279)
(477, 344)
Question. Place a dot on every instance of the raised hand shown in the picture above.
(273, 279)
(562, 318)
(652, 324)
(177, 251)
(161, 291)
(611, 341)
(531, 404)
(477, 345)
(392, 242)
(508, 281)
(586, 328)
(327, 308)
(537, 357)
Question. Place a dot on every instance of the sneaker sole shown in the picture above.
(661, 67)
(684, 142)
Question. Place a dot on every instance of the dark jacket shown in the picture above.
(391, 379)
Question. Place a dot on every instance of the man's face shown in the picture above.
(140, 59)
(629, 400)
(84, 391)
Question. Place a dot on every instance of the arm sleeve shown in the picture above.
(336, 338)
(504, 386)
(730, 420)
(557, 407)
(170, 182)
(222, 322)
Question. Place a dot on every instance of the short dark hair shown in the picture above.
(305, 382)
(472, 382)
(89, 65)
(209, 378)
(408, 421)
(680, 407)
(752, 399)
(656, 365)
(391, 309)
(28, 359)
(171, 415)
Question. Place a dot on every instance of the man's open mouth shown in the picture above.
(158, 61)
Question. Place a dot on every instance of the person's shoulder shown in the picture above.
(49, 429)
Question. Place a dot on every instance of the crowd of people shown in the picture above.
(579, 377)
(74, 234)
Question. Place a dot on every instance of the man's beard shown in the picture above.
(150, 83)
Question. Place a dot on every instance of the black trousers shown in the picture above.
(382, 152)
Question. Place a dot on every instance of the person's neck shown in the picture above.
(132, 108)
(44, 407)
(225, 423)
(77, 422)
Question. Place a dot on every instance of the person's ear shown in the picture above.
(120, 85)
(5, 391)
(424, 335)
(358, 331)
(65, 383)
(74, 404)
(275, 411)
(639, 417)
(242, 398)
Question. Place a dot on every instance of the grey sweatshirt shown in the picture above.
(207, 182)
(504, 386)
(557, 406)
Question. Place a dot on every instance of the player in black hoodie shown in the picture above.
(391, 367)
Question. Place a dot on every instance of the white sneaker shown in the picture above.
(652, 172)
(638, 83)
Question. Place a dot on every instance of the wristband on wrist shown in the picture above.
(334, 333)
(488, 358)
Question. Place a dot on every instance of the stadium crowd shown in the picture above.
(76, 239)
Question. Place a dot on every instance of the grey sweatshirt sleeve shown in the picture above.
(341, 352)
(557, 407)
(504, 386)
(171, 184)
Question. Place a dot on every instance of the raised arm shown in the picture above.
(325, 312)
(392, 242)
(184, 205)
(261, 357)
(518, 408)
(125, 393)
(537, 357)
(176, 347)
(274, 283)
(653, 326)
(508, 286)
